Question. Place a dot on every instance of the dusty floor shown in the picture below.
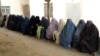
(16, 44)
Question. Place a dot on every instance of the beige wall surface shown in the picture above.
(37, 7)
(0, 7)
(61, 9)
(87, 9)
(17, 6)
(91, 11)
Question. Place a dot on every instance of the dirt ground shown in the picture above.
(15, 44)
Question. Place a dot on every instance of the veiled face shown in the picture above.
(89, 23)
(53, 20)
(61, 20)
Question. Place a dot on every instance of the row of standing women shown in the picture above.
(83, 37)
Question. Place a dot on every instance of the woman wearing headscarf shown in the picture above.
(39, 28)
(67, 34)
(24, 24)
(12, 22)
(51, 28)
(3, 22)
(76, 36)
(34, 25)
(7, 18)
(29, 26)
(45, 24)
(20, 20)
(56, 33)
(89, 40)
(1, 19)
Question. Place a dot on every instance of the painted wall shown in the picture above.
(91, 11)
(60, 9)
(16, 6)
(74, 12)
(67, 9)
(37, 7)
(75, 9)
(0, 7)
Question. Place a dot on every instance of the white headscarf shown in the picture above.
(61, 24)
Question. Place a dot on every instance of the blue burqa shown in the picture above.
(67, 33)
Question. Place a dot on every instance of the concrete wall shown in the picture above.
(37, 7)
(61, 9)
(75, 9)
(0, 7)
(16, 6)
(67, 9)
(91, 11)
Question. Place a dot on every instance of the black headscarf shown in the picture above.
(89, 40)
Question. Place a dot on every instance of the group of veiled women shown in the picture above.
(84, 37)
